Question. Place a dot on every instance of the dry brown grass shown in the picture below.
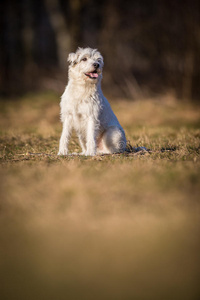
(107, 227)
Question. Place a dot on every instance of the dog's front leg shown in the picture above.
(91, 138)
(64, 139)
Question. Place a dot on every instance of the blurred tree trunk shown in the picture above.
(188, 76)
(75, 16)
(27, 32)
(61, 31)
(11, 50)
(190, 59)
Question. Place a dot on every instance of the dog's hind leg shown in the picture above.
(114, 140)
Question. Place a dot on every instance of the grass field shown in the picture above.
(113, 227)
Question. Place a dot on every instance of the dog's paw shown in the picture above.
(60, 152)
(89, 153)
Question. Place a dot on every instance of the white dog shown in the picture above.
(85, 109)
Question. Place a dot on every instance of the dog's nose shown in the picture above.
(96, 65)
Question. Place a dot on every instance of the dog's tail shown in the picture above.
(131, 149)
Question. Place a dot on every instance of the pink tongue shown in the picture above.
(93, 75)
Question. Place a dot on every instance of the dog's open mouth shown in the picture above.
(92, 75)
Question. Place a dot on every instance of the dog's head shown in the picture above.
(85, 64)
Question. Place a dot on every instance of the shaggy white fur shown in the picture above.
(85, 109)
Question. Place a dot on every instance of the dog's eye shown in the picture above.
(84, 59)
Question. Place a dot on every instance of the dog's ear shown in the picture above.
(72, 58)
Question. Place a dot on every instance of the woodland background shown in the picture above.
(149, 47)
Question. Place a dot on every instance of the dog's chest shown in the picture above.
(87, 108)
(84, 111)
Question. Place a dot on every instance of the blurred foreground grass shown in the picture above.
(107, 227)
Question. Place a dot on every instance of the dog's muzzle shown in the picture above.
(93, 74)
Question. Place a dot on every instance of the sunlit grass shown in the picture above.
(122, 226)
